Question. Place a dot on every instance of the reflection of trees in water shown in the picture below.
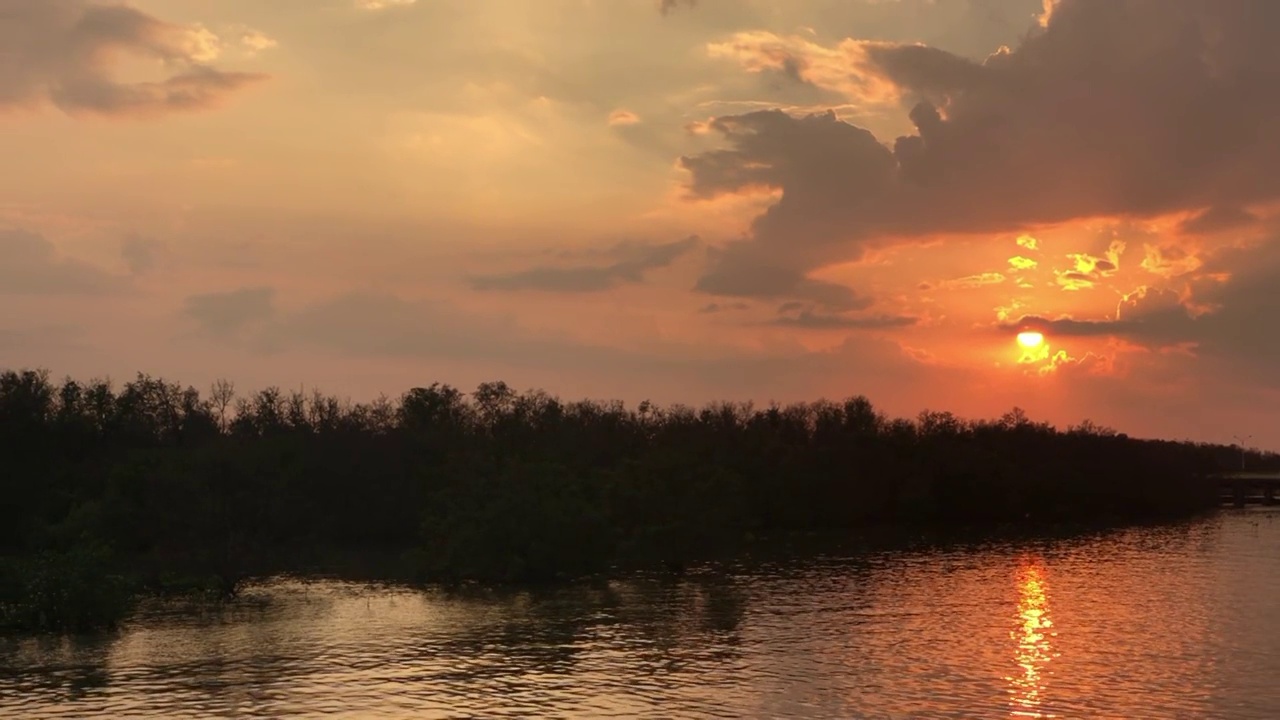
(670, 621)
(69, 668)
(662, 621)
(225, 659)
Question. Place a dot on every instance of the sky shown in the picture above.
(676, 200)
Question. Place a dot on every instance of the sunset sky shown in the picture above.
(674, 200)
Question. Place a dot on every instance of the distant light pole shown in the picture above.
(1242, 447)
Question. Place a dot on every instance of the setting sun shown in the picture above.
(1030, 339)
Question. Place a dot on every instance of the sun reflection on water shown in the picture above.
(1032, 647)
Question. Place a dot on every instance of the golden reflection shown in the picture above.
(1032, 648)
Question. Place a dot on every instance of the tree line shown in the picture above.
(154, 485)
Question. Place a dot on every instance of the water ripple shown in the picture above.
(1173, 622)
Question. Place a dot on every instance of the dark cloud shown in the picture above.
(224, 314)
(629, 264)
(1153, 315)
(1217, 219)
(382, 324)
(1070, 327)
(140, 254)
(712, 308)
(31, 265)
(1236, 318)
(62, 52)
(1117, 107)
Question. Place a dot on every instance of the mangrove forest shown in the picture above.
(150, 487)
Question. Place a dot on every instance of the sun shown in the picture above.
(1030, 339)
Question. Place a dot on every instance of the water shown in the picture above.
(1172, 622)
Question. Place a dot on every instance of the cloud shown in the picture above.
(253, 41)
(622, 116)
(31, 265)
(1121, 108)
(630, 263)
(64, 52)
(1173, 339)
(1070, 327)
(736, 276)
(667, 6)
(225, 314)
(712, 308)
(378, 325)
(1216, 219)
(1233, 321)
(845, 69)
(1017, 262)
(973, 281)
(1089, 364)
(818, 162)
(809, 319)
(1169, 261)
(140, 254)
(1150, 314)
(1088, 270)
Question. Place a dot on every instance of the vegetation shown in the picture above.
(152, 487)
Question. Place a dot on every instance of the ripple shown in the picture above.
(1171, 622)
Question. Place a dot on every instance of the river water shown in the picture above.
(1171, 622)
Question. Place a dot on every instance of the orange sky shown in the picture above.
(682, 201)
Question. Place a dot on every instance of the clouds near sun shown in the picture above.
(843, 189)
(750, 197)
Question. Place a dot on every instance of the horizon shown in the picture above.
(956, 206)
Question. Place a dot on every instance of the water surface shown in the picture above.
(1171, 622)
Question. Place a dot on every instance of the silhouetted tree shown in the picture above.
(523, 486)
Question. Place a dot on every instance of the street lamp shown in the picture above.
(1242, 447)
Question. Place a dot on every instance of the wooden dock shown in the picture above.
(1249, 488)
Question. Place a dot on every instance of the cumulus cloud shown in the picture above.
(31, 265)
(65, 53)
(1115, 107)
(629, 263)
